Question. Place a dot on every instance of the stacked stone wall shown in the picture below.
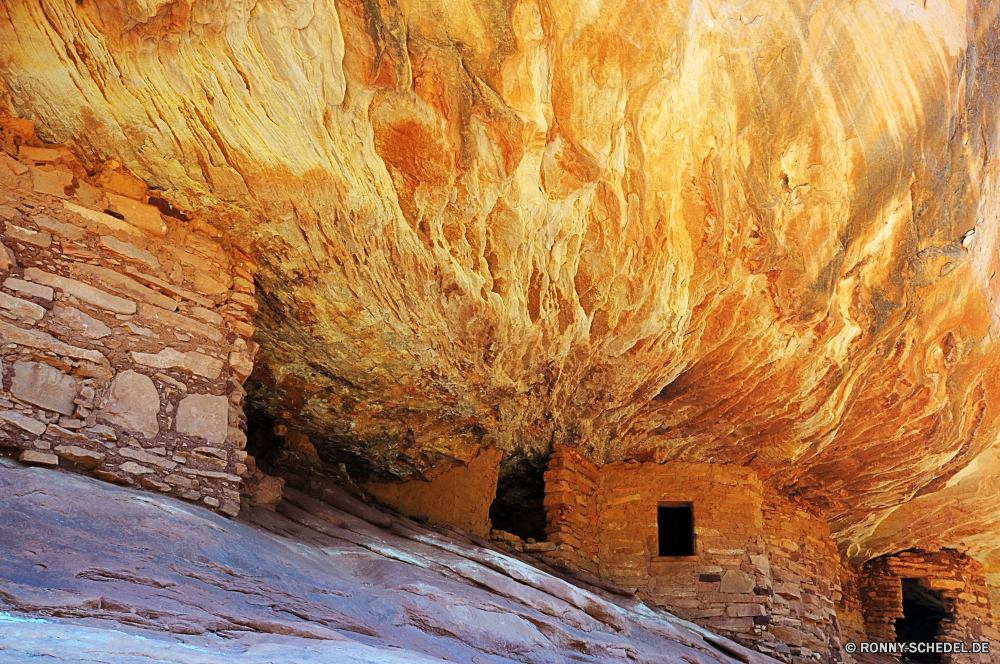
(764, 569)
(849, 610)
(804, 564)
(125, 327)
(716, 586)
(571, 509)
(994, 594)
(961, 583)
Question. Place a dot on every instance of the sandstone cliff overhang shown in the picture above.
(693, 231)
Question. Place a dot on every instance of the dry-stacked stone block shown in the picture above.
(805, 566)
(961, 583)
(849, 609)
(764, 569)
(993, 585)
(571, 508)
(125, 328)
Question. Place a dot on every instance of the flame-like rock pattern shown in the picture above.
(759, 233)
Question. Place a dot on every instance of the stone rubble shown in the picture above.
(124, 345)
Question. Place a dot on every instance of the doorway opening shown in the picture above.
(519, 506)
(923, 611)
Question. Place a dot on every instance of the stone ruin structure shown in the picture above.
(945, 590)
(761, 568)
(126, 328)
(751, 275)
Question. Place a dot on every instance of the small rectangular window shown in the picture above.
(675, 522)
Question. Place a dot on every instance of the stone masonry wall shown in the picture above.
(725, 585)
(765, 571)
(994, 594)
(125, 328)
(727, 524)
(460, 496)
(804, 568)
(571, 509)
(961, 582)
(849, 611)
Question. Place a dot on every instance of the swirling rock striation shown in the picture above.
(755, 233)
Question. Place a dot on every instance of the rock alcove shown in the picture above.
(503, 267)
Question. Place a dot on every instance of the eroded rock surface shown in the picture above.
(686, 230)
(160, 580)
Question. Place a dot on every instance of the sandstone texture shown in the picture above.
(134, 403)
(204, 416)
(44, 386)
(683, 230)
(460, 496)
(158, 580)
(621, 250)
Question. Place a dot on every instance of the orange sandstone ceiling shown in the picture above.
(761, 233)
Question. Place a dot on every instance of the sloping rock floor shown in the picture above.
(92, 572)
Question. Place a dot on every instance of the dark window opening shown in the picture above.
(675, 524)
(923, 611)
(519, 506)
